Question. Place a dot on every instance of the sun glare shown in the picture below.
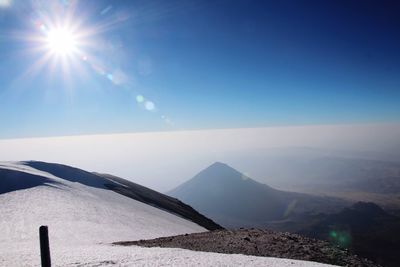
(61, 41)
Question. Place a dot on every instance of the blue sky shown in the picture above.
(199, 65)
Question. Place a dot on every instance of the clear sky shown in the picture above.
(96, 66)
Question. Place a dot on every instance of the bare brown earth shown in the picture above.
(258, 243)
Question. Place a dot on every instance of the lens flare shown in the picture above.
(149, 105)
(341, 238)
(5, 3)
(139, 98)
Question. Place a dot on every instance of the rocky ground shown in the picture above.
(258, 243)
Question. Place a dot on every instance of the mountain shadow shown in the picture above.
(11, 180)
(234, 200)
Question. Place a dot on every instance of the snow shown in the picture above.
(78, 214)
(84, 220)
(107, 255)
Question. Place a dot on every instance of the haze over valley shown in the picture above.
(278, 156)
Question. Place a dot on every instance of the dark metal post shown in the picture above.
(44, 246)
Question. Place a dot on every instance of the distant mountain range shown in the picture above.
(235, 200)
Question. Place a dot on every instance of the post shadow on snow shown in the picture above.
(11, 180)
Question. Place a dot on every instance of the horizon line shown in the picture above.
(207, 129)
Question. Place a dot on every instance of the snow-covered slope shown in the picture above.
(84, 219)
(75, 213)
(104, 255)
(81, 214)
(126, 188)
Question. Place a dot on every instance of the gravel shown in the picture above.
(258, 242)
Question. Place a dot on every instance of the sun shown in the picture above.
(61, 41)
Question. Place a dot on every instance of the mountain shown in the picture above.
(234, 200)
(85, 216)
(364, 228)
